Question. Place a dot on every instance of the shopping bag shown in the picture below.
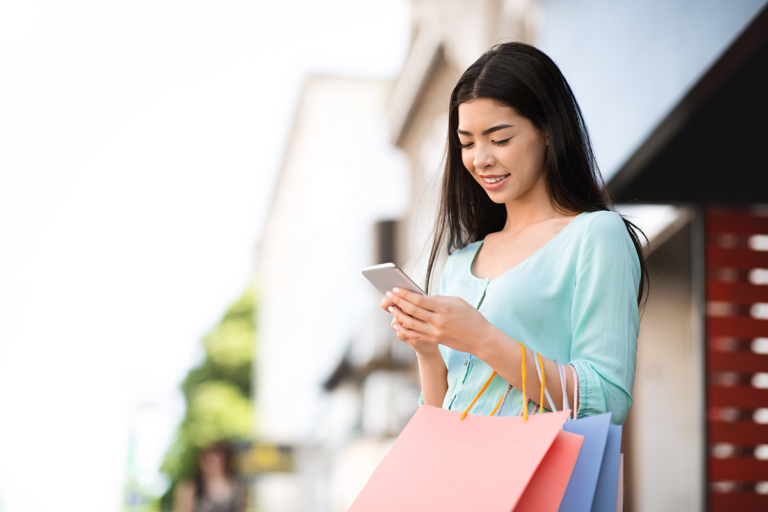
(608, 481)
(620, 493)
(580, 492)
(545, 490)
(440, 463)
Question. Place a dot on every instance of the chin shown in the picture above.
(500, 196)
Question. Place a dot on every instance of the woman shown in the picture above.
(215, 487)
(537, 254)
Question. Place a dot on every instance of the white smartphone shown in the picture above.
(387, 276)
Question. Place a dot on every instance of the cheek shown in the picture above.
(524, 159)
(468, 159)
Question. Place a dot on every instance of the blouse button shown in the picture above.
(466, 362)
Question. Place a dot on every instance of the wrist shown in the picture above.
(488, 342)
(430, 355)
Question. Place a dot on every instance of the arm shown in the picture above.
(184, 496)
(452, 322)
(432, 369)
(434, 378)
(605, 318)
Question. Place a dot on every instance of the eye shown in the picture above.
(501, 142)
(465, 146)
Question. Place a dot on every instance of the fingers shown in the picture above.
(409, 307)
(386, 303)
(418, 299)
(407, 321)
(403, 333)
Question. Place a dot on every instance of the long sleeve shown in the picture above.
(605, 319)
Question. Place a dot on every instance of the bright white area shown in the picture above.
(651, 219)
(138, 146)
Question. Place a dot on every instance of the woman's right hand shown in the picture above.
(422, 348)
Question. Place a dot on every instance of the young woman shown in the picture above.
(536, 253)
(215, 487)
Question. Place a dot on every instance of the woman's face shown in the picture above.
(503, 151)
(213, 462)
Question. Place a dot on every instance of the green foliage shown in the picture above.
(218, 392)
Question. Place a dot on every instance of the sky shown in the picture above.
(138, 145)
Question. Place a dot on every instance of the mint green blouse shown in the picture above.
(575, 300)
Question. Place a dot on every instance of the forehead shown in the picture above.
(484, 112)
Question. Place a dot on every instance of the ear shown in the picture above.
(547, 136)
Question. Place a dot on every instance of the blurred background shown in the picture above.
(188, 191)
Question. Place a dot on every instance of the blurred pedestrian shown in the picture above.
(215, 487)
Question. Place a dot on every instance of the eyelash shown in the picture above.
(495, 142)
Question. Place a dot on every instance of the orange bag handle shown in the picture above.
(525, 398)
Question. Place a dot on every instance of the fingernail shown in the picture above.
(391, 309)
(389, 295)
(396, 327)
(396, 290)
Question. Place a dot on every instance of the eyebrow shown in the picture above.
(489, 130)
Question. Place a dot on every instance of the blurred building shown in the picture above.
(325, 356)
(673, 93)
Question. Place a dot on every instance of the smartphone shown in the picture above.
(387, 276)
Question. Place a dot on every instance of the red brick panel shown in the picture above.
(744, 433)
(743, 397)
(739, 362)
(745, 259)
(742, 469)
(730, 502)
(736, 223)
(738, 293)
(737, 327)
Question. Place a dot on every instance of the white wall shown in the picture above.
(335, 181)
(338, 177)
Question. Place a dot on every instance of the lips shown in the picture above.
(494, 182)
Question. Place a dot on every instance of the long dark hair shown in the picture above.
(225, 449)
(525, 79)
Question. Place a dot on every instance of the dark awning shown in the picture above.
(713, 147)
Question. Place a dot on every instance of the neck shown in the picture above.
(214, 475)
(534, 206)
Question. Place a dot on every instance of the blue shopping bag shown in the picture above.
(594, 482)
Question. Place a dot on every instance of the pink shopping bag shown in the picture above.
(439, 463)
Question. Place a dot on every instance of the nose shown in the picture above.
(483, 157)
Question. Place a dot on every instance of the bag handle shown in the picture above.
(563, 377)
(561, 371)
(503, 397)
(545, 391)
(575, 390)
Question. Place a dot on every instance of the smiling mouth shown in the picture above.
(494, 179)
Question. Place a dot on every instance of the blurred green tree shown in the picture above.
(218, 393)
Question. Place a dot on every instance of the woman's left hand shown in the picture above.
(449, 321)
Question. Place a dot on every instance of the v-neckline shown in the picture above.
(480, 244)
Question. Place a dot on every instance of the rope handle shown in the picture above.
(503, 398)
(482, 390)
(544, 390)
(561, 371)
(525, 397)
(575, 390)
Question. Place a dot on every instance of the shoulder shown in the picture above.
(184, 495)
(604, 224)
(457, 260)
(465, 253)
(606, 237)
